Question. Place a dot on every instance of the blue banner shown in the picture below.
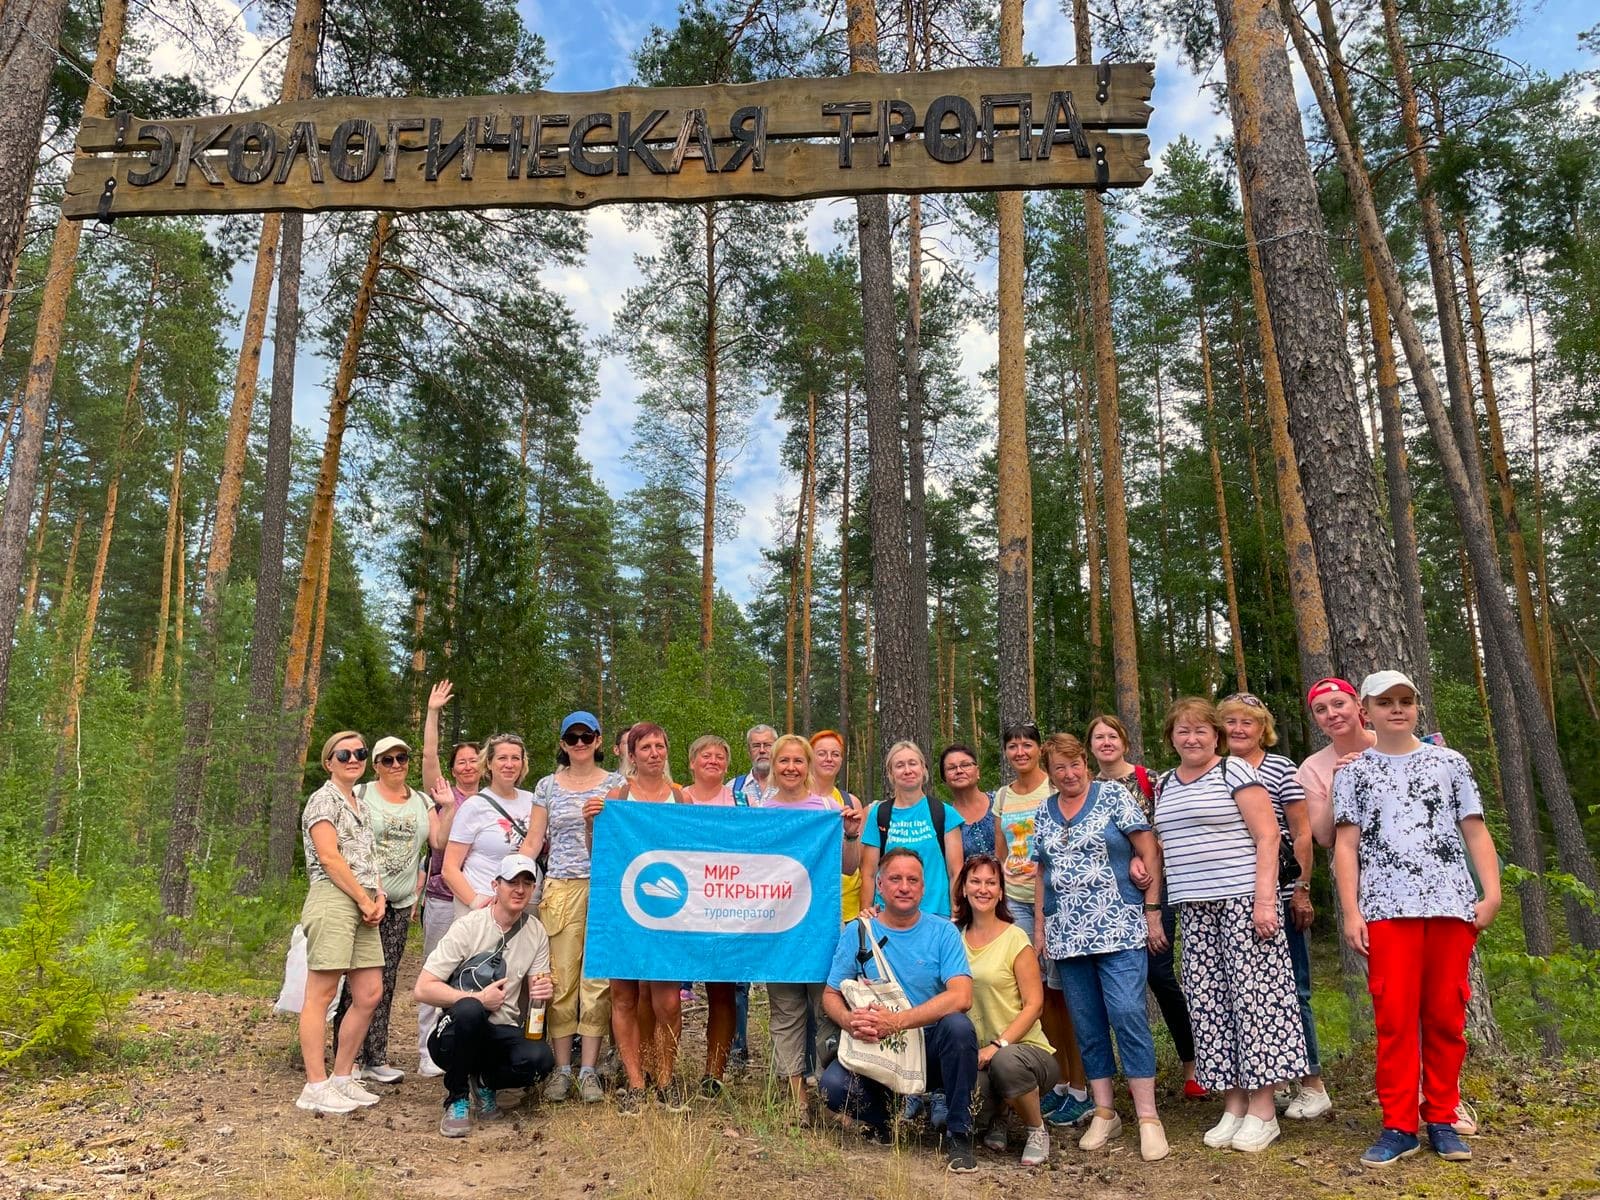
(725, 895)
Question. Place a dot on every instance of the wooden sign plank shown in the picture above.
(794, 107)
(791, 170)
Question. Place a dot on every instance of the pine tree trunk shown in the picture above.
(1166, 544)
(1353, 551)
(792, 611)
(1014, 634)
(1495, 612)
(900, 675)
(1397, 481)
(844, 580)
(1230, 587)
(50, 325)
(43, 527)
(303, 659)
(69, 574)
(1313, 639)
(158, 655)
(1500, 465)
(1119, 565)
(809, 502)
(916, 411)
(1091, 544)
(190, 778)
(255, 779)
(67, 747)
(708, 530)
(29, 33)
(12, 413)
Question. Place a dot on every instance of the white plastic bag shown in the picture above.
(293, 996)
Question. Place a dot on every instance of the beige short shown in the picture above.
(336, 937)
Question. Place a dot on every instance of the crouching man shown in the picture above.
(481, 1039)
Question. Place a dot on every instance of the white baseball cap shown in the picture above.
(1380, 682)
(513, 865)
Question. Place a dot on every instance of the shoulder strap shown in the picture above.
(936, 815)
(624, 795)
(885, 815)
(740, 800)
(522, 829)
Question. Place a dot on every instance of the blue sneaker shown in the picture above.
(1051, 1101)
(485, 1101)
(938, 1112)
(913, 1108)
(1071, 1111)
(1447, 1143)
(1391, 1146)
(457, 1121)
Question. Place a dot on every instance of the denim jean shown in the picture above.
(952, 1046)
(1300, 960)
(1105, 994)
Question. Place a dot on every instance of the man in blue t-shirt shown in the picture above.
(927, 958)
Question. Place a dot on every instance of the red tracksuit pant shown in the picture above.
(1417, 972)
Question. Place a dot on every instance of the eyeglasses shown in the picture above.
(398, 759)
(579, 738)
(344, 756)
(958, 765)
(1244, 698)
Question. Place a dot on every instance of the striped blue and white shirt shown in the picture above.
(1207, 847)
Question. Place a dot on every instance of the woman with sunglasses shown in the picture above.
(489, 826)
(344, 907)
(398, 817)
(1107, 739)
(1250, 731)
(581, 1005)
(448, 793)
(644, 1013)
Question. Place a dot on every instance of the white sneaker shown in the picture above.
(1038, 1148)
(382, 1073)
(1255, 1135)
(324, 1098)
(429, 1069)
(1220, 1135)
(1309, 1104)
(352, 1090)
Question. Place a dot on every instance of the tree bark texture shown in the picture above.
(1496, 615)
(1220, 495)
(899, 648)
(1353, 550)
(48, 330)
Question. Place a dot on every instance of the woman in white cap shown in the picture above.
(397, 814)
(581, 1005)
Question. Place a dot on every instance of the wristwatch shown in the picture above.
(1000, 1043)
(1302, 885)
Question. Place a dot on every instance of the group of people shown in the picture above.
(1023, 925)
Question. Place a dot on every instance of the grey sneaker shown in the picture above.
(559, 1087)
(994, 1138)
(457, 1120)
(589, 1089)
(1037, 1149)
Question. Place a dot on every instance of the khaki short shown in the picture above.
(336, 937)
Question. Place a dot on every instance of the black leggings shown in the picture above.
(1169, 996)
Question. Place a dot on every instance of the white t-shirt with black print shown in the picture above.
(1206, 845)
(1409, 809)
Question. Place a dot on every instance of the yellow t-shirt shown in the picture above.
(849, 885)
(1013, 837)
(996, 999)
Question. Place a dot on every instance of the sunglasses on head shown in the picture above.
(579, 737)
(1245, 698)
(344, 756)
(398, 759)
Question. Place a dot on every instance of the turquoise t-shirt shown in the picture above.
(913, 828)
(923, 958)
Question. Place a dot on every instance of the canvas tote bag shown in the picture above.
(900, 1061)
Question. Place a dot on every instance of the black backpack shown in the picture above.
(886, 814)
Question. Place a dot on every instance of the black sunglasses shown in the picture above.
(398, 759)
(344, 756)
(572, 738)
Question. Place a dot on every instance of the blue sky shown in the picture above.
(595, 52)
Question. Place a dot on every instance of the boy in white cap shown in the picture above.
(1407, 816)
(480, 1040)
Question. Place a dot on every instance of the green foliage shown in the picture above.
(63, 982)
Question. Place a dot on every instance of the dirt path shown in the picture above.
(202, 1104)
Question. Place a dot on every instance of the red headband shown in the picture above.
(1333, 683)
